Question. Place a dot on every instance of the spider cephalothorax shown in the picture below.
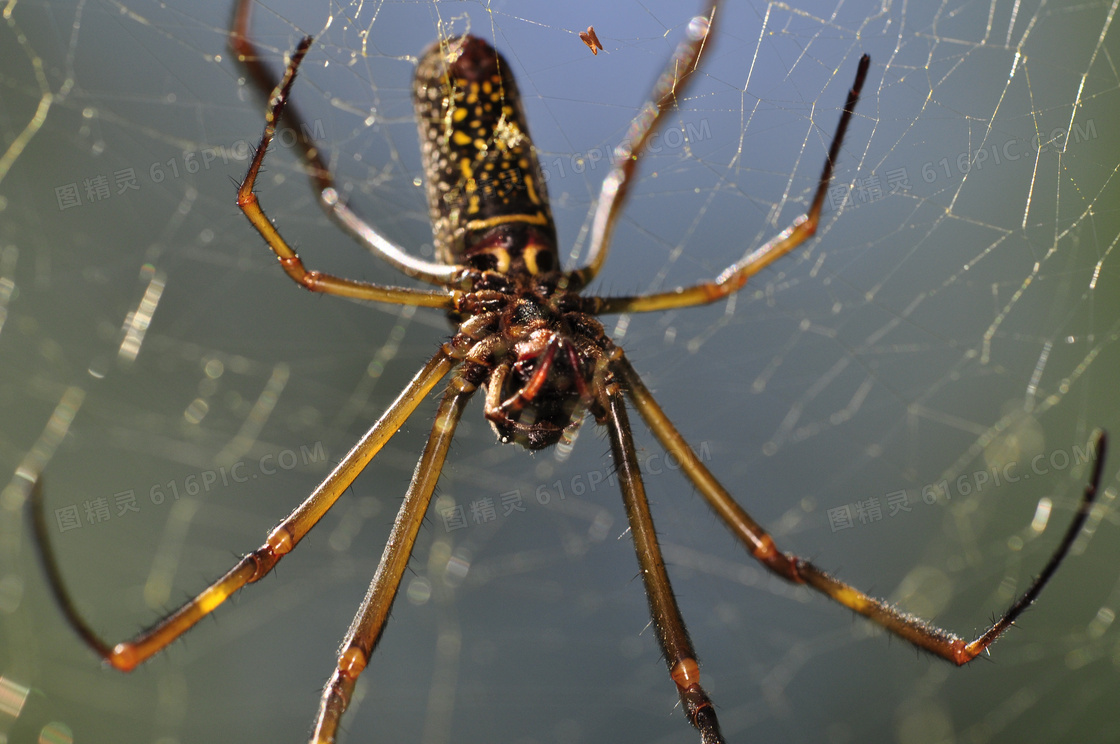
(534, 350)
(543, 363)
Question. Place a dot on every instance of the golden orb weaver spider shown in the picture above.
(525, 334)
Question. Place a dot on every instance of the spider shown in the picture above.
(531, 341)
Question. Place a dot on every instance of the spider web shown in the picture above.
(953, 323)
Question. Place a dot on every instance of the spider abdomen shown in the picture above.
(486, 193)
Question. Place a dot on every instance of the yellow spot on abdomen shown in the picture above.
(501, 219)
(531, 190)
(530, 256)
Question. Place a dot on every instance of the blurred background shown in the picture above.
(906, 399)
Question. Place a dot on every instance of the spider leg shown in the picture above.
(790, 567)
(616, 186)
(365, 631)
(126, 655)
(247, 54)
(734, 277)
(671, 631)
(313, 280)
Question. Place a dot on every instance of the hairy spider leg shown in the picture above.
(126, 655)
(734, 277)
(672, 635)
(293, 265)
(616, 186)
(365, 631)
(247, 54)
(792, 568)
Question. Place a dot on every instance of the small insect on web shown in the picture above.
(591, 39)
(525, 334)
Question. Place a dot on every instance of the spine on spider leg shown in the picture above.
(486, 192)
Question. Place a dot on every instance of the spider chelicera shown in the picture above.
(525, 334)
